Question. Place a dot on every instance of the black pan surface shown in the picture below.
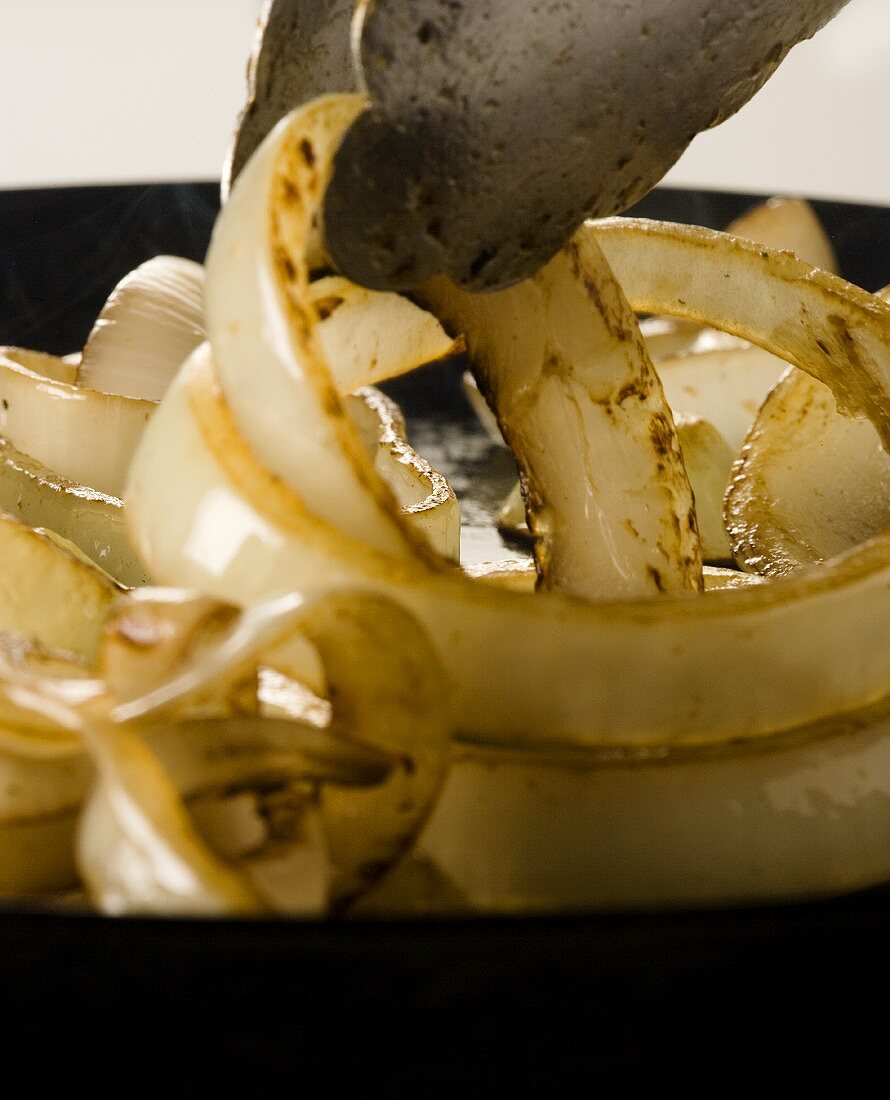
(460, 1007)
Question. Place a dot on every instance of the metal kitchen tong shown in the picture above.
(496, 126)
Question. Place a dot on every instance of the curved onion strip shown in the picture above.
(561, 363)
(51, 594)
(150, 324)
(425, 498)
(388, 691)
(725, 387)
(368, 336)
(576, 337)
(791, 224)
(166, 652)
(834, 331)
(263, 325)
(139, 849)
(92, 521)
(543, 667)
(85, 436)
(810, 817)
(810, 483)
(779, 223)
(708, 460)
(238, 533)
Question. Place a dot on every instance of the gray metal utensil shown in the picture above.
(497, 126)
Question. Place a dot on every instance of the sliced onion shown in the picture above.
(778, 223)
(561, 362)
(151, 323)
(521, 832)
(288, 405)
(51, 594)
(724, 387)
(425, 498)
(369, 336)
(141, 852)
(707, 458)
(529, 669)
(138, 850)
(92, 521)
(84, 436)
(810, 483)
(289, 412)
(788, 223)
(830, 329)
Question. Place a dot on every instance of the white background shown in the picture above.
(102, 90)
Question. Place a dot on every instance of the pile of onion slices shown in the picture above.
(325, 712)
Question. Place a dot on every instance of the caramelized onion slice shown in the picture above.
(368, 336)
(561, 363)
(92, 521)
(237, 531)
(51, 594)
(581, 361)
(834, 331)
(264, 331)
(810, 817)
(84, 436)
(137, 829)
(150, 324)
(810, 484)
(425, 499)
